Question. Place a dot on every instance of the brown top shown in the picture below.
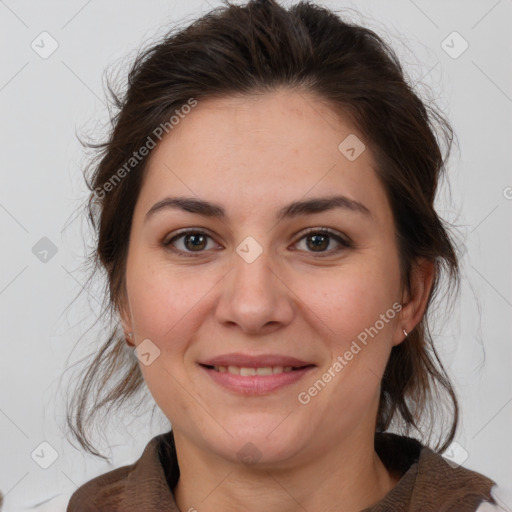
(428, 482)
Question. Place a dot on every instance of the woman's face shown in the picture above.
(248, 287)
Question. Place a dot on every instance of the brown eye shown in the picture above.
(318, 241)
(195, 241)
(189, 241)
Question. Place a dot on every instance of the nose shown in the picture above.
(254, 297)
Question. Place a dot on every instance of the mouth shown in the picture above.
(255, 375)
(250, 371)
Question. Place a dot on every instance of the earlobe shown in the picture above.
(413, 308)
(125, 322)
(129, 339)
(126, 325)
(400, 333)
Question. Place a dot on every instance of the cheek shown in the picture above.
(351, 299)
(166, 386)
(163, 300)
(162, 304)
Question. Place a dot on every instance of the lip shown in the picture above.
(255, 384)
(248, 361)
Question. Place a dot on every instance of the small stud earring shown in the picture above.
(128, 337)
(405, 332)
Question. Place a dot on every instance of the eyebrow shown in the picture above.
(294, 209)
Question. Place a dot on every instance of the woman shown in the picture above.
(264, 208)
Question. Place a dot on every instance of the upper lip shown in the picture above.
(261, 361)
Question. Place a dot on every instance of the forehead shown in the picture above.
(262, 148)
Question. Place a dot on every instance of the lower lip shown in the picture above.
(256, 384)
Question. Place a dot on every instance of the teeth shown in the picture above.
(245, 372)
(264, 371)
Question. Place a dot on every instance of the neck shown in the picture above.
(347, 478)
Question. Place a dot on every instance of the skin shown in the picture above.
(253, 155)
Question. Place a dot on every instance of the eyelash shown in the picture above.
(344, 243)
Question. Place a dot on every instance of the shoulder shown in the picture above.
(105, 492)
(120, 489)
(443, 481)
(429, 480)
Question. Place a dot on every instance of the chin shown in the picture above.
(261, 441)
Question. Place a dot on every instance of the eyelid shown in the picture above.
(342, 239)
(329, 231)
(167, 241)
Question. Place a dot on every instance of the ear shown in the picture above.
(414, 302)
(126, 317)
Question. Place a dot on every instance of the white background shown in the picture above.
(44, 101)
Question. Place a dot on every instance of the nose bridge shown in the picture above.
(252, 278)
(252, 267)
(253, 296)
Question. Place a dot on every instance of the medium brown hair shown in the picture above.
(257, 48)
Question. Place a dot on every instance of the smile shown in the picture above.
(246, 372)
(259, 380)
